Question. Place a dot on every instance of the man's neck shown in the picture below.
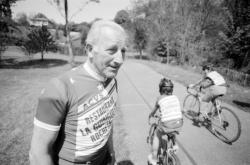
(92, 71)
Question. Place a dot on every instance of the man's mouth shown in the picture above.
(115, 67)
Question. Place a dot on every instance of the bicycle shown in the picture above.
(168, 148)
(219, 120)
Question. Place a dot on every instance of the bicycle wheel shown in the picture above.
(170, 158)
(226, 125)
(191, 106)
(151, 133)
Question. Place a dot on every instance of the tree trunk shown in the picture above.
(245, 61)
(184, 43)
(42, 55)
(140, 53)
(70, 51)
(168, 53)
(68, 39)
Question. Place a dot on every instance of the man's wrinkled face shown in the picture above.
(109, 53)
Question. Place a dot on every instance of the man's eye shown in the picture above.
(112, 51)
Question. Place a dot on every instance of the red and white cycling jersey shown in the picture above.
(81, 106)
(170, 108)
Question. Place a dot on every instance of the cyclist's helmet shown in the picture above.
(166, 86)
(206, 67)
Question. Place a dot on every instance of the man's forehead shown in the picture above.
(111, 37)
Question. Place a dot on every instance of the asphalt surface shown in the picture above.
(138, 90)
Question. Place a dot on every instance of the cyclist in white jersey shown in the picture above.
(213, 83)
(73, 120)
(169, 110)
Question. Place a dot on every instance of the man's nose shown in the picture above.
(118, 57)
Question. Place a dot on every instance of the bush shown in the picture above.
(77, 51)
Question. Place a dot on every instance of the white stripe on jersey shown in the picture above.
(170, 108)
(46, 126)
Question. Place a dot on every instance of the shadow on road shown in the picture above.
(125, 162)
(46, 63)
(242, 104)
(217, 130)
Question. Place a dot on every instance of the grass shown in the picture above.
(19, 92)
(236, 95)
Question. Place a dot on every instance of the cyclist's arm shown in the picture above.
(154, 110)
(206, 83)
(41, 146)
(197, 83)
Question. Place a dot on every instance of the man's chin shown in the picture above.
(111, 74)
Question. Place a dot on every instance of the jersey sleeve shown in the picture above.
(51, 108)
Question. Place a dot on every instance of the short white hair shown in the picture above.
(97, 27)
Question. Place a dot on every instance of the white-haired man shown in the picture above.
(73, 121)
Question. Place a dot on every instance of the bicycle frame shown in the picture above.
(215, 108)
(166, 138)
(166, 145)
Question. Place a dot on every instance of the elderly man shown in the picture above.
(73, 121)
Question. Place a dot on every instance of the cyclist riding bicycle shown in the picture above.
(169, 110)
(213, 83)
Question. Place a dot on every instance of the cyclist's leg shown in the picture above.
(207, 99)
(207, 96)
(217, 91)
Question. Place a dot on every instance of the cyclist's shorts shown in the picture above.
(170, 126)
(213, 92)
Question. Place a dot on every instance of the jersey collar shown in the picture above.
(92, 73)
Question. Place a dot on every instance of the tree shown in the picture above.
(57, 36)
(140, 35)
(65, 14)
(22, 19)
(235, 39)
(5, 23)
(122, 18)
(40, 40)
(84, 32)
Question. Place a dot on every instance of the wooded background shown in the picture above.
(177, 32)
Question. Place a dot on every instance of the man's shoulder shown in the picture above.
(73, 75)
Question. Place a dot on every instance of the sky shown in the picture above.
(106, 9)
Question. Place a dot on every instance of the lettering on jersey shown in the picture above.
(92, 101)
(85, 131)
(95, 120)
(102, 127)
(99, 112)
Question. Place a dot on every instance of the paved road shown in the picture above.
(138, 86)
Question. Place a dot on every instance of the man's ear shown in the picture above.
(90, 54)
(89, 49)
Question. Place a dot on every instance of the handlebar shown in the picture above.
(194, 90)
(156, 117)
